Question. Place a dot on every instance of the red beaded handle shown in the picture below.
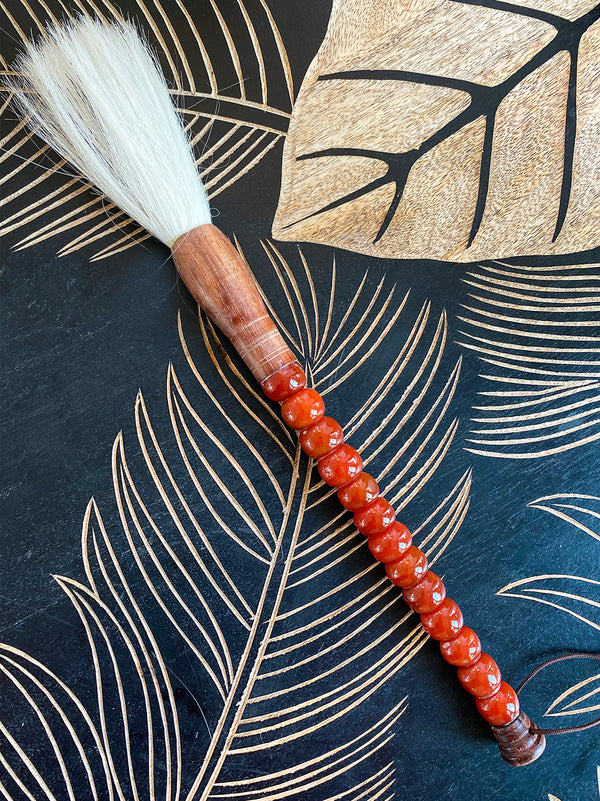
(340, 465)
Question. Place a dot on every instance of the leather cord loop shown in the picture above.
(567, 729)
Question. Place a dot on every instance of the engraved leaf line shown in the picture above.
(555, 403)
(578, 596)
(575, 704)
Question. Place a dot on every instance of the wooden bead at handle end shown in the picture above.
(518, 744)
(221, 282)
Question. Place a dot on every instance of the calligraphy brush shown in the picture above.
(94, 91)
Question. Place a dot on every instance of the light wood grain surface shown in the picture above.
(448, 130)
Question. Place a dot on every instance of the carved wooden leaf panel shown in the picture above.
(450, 129)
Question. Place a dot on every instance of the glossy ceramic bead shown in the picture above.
(358, 493)
(284, 382)
(462, 650)
(501, 708)
(340, 466)
(482, 678)
(445, 622)
(390, 544)
(374, 518)
(321, 437)
(303, 408)
(427, 595)
(408, 570)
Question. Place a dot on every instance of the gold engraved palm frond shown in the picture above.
(536, 331)
(578, 596)
(226, 592)
(233, 112)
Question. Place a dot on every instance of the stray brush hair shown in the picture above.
(95, 92)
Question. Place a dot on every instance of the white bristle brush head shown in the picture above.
(95, 92)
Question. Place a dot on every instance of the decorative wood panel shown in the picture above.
(215, 628)
(448, 129)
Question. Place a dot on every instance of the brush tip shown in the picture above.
(94, 91)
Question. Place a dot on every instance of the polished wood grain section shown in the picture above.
(519, 742)
(221, 282)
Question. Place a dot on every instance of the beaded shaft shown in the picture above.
(340, 466)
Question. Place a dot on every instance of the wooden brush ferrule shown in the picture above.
(221, 282)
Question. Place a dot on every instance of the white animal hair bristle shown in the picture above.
(95, 92)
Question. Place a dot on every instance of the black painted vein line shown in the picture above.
(399, 173)
(544, 16)
(569, 148)
(402, 75)
(381, 155)
(484, 177)
(360, 192)
(488, 100)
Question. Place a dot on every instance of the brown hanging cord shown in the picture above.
(567, 729)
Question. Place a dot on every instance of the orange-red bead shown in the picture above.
(284, 382)
(482, 678)
(321, 437)
(427, 595)
(445, 622)
(374, 518)
(303, 408)
(408, 570)
(340, 466)
(390, 544)
(500, 708)
(462, 650)
(358, 493)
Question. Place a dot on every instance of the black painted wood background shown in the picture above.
(129, 650)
